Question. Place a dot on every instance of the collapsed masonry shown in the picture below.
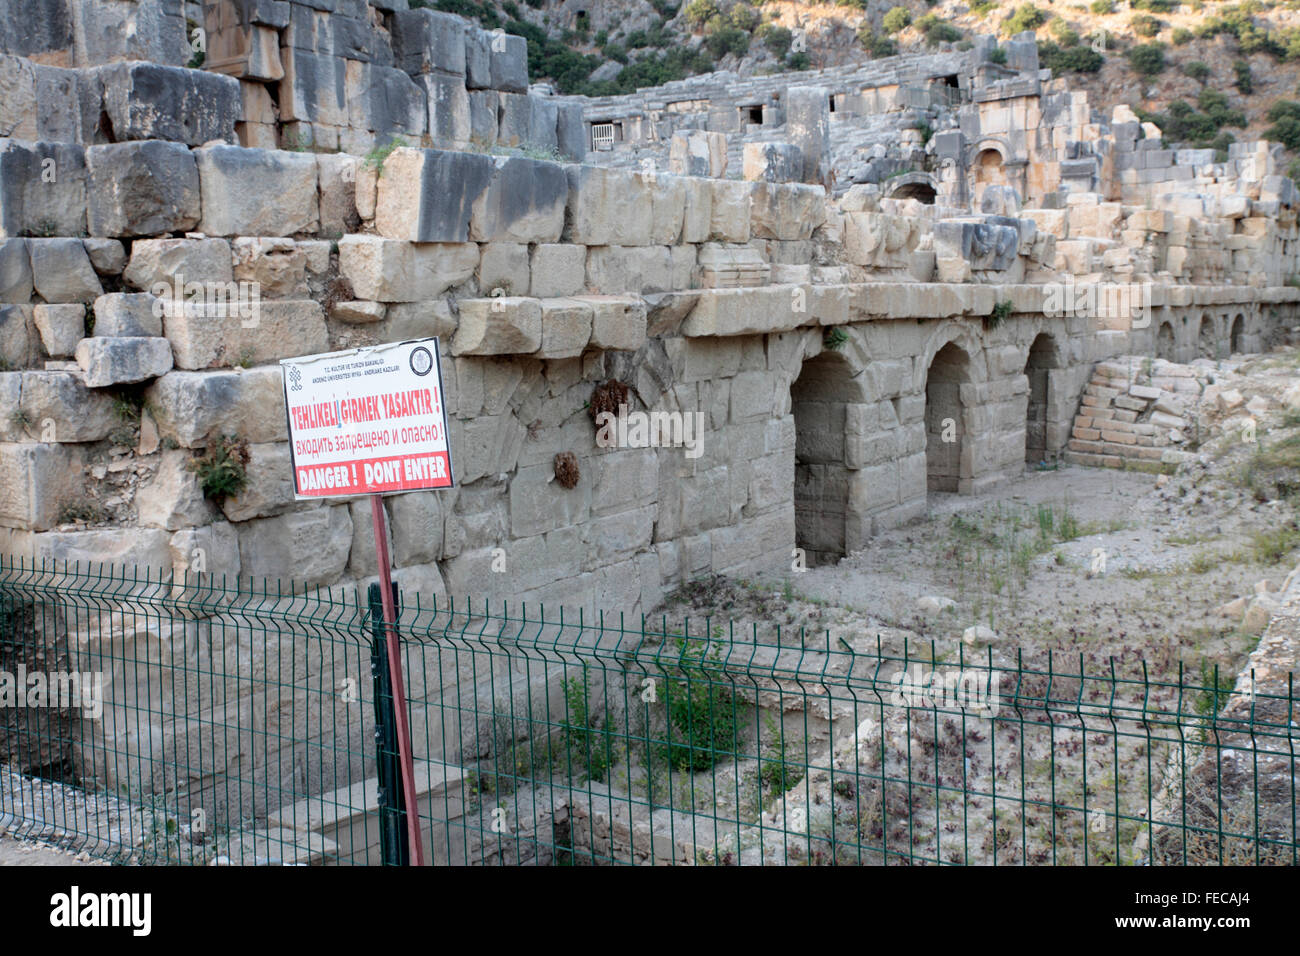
(848, 355)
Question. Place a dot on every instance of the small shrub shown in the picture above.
(1064, 33)
(1181, 36)
(896, 19)
(376, 157)
(835, 338)
(723, 40)
(998, 55)
(937, 30)
(876, 45)
(1244, 81)
(1102, 7)
(1145, 26)
(222, 468)
(1074, 59)
(744, 17)
(1197, 70)
(776, 38)
(587, 736)
(1026, 17)
(702, 720)
(700, 13)
(801, 60)
(1147, 59)
(981, 8)
(1001, 312)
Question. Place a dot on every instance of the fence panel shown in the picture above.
(235, 722)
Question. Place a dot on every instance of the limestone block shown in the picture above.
(359, 313)
(543, 118)
(61, 409)
(388, 270)
(314, 88)
(269, 490)
(503, 266)
(571, 132)
(489, 446)
(617, 269)
(808, 123)
(428, 195)
(742, 312)
(336, 175)
(141, 189)
(609, 207)
(426, 41)
(61, 327)
(500, 326)
(539, 504)
(667, 210)
(449, 123)
(483, 124)
(271, 268)
(212, 549)
(509, 63)
(618, 322)
(730, 220)
(152, 101)
(786, 211)
(176, 262)
(15, 271)
(309, 547)
(121, 361)
(36, 482)
(205, 337)
(42, 189)
(384, 99)
(134, 548)
(418, 320)
(773, 163)
(697, 220)
(566, 328)
(514, 119)
(698, 153)
(557, 269)
(106, 255)
(173, 498)
(18, 337)
(257, 192)
(61, 271)
(193, 407)
(130, 314)
(524, 202)
(417, 525)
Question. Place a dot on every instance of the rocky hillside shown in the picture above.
(1208, 73)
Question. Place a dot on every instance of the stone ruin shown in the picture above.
(868, 284)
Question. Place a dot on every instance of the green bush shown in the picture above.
(1074, 59)
(1102, 7)
(1181, 36)
(1145, 26)
(877, 46)
(1285, 117)
(588, 738)
(1026, 17)
(1197, 70)
(798, 61)
(703, 724)
(1244, 81)
(700, 13)
(1214, 104)
(982, 7)
(898, 18)
(723, 40)
(221, 468)
(1155, 6)
(775, 38)
(1148, 59)
(1064, 33)
(744, 17)
(998, 55)
(937, 30)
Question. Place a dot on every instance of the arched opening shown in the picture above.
(1206, 347)
(1165, 342)
(987, 170)
(1238, 335)
(945, 428)
(1042, 359)
(922, 192)
(819, 401)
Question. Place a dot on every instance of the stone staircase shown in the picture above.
(1135, 415)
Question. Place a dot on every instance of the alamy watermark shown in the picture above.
(977, 691)
(635, 429)
(209, 299)
(53, 690)
(1127, 303)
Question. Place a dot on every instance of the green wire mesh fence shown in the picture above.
(199, 722)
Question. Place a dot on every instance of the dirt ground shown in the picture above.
(22, 853)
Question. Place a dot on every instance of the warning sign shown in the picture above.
(367, 420)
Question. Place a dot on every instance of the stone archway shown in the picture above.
(1237, 338)
(918, 186)
(987, 169)
(947, 463)
(1043, 357)
(820, 399)
(1166, 347)
(1207, 345)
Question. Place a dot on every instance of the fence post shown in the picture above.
(394, 842)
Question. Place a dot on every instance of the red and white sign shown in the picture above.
(367, 421)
